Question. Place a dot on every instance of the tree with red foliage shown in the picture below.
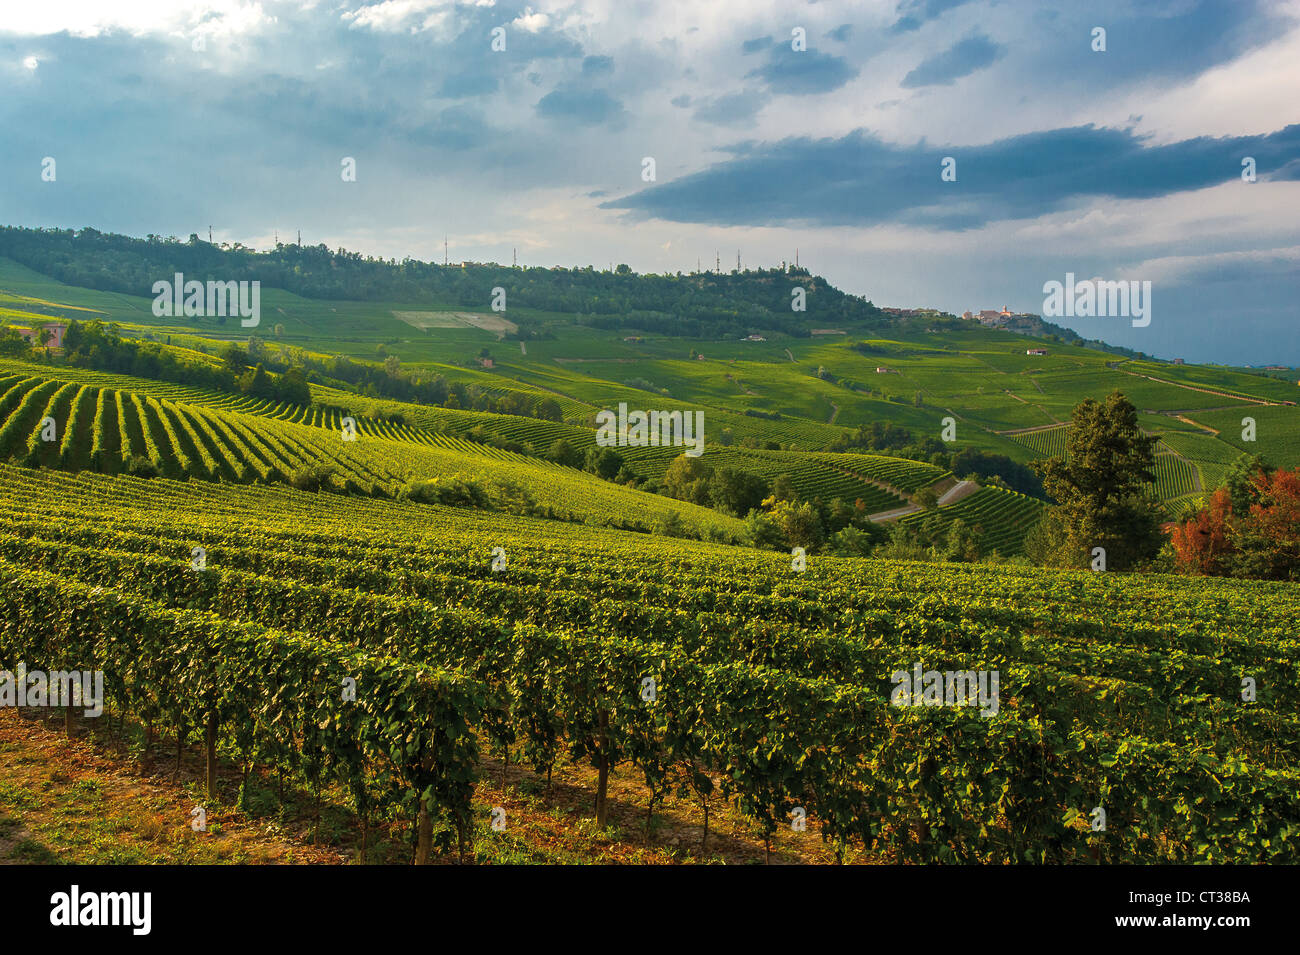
(1201, 544)
(1267, 540)
(1251, 528)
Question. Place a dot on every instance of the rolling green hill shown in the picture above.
(109, 423)
(771, 407)
(107, 429)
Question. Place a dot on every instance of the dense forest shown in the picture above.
(711, 304)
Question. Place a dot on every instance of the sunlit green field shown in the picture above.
(799, 393)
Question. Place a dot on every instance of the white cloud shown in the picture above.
(30, 63)
(394, 16)
(89, 18)
(531, 22)
(1182, 269)
(1254, 93)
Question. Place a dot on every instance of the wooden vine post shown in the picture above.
(602, 787)
(210, 741)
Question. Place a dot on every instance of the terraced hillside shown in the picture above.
(112, 431)
(793, 392)
(109, 430)
(1044, 442)
(1176, 477)
(901, 473)
(1116, 690)
(1000, 516)
(191, 431)
(1211, 456)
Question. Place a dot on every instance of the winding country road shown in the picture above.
(951, 496)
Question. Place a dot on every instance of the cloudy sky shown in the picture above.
(167, 116)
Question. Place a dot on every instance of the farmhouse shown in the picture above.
(1035, 351)
(881, 370)
(754, 338)
(54, 338)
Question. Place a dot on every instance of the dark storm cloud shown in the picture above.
(913, 13)
(858, 180)
(961, 59)
(805, 71)
(733, 109)
(580, 105)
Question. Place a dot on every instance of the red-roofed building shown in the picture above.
(54, 334)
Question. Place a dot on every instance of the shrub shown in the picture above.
(926, 498)
(454, 491)
(763, 532)
(562, 452)
(604, 462)
(850, 542)
(515, 498)
(669, 524)
(317, 477)
(140, 466)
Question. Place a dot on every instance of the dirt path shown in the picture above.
(1175, 412)
(957, 492)
(834, 414)
(884, 517)
(1205, 391)
(1186, 420)
(951, 496)
(1046, 414)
